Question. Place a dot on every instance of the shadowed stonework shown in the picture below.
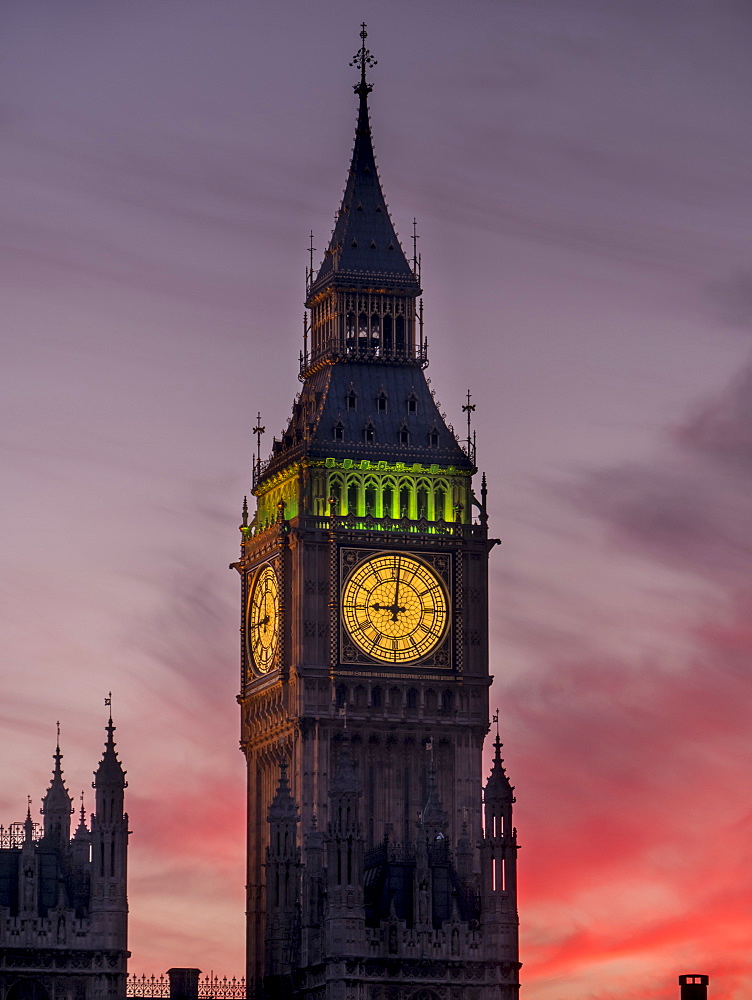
(377, 865)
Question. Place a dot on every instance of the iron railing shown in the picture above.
(210, 987)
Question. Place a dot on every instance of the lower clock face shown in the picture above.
(262, 622)
(395, 608)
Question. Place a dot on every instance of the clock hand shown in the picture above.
(395, 607)
(260, 622)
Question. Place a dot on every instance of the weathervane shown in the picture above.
(469, 409)
(258, 430)
(361, 59)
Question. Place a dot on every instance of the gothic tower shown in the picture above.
(364, 651)
(63, 899)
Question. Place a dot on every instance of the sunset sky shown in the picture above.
(580, 171)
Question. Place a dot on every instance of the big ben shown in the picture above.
(380, 867)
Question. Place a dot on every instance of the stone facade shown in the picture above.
(379, 868)
(63, 904)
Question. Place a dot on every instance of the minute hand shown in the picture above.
(395, 608)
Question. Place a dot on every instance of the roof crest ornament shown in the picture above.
(360, 60)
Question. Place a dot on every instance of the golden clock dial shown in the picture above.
(395, 608)
(262, 623)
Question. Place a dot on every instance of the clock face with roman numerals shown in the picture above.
(262, 622)
(395, 608)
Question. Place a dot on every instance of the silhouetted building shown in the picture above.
(377, 865)
(63, 905)
(693, 987)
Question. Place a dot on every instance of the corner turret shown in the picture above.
(57, 805)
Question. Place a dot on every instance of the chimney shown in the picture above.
(694, 987)
(184, 984)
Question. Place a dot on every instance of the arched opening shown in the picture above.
(376, 697)
(422, 501)
(352, 498)
(375, 333)
(388, 340)
(400, 334)
(387, 502)
(350, 332)
(370, 498)
(404, 502)
(362, 333)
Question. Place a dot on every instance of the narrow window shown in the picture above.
(362, 332)
(370, 500)
(369, 433)
(404, 498)
(412, 403)
(352, 400)
(339, 431)
(381, 402)
(387, 332)
(352, 498)
(387, 501)
(404, 435)
(400, 334)
(376, 697)
(433, 438)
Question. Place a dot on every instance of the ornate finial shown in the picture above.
(245, 512)
(469, 408)
(108, 704)
(258, 430)
(361, 59)
(58, 735)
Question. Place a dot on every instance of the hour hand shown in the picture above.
(260, 622)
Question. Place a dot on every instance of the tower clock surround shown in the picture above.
(378, 864)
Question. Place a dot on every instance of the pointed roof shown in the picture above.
(364, 248)
(498, 785)
(110, 770)
(283, 808)
(82, 831)
(57, 798)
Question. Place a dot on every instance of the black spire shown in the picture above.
(433, 818)
(364, 246)
(498, 786)
(57, 804)
(283, 808)
(110, 770)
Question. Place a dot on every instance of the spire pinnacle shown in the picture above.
(361, 60)
(110, 770)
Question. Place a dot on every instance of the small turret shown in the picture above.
(282, 879)
(499, 864)
(345, 925)
(433, 820)
(109, 840)
(57, 805)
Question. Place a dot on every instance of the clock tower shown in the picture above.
(379, 866)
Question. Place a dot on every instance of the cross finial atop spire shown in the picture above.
(361, 59)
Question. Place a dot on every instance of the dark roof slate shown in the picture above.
(364, 246)
(323, 406)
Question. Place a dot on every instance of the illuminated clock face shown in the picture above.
(263, 620)
(395, 608)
